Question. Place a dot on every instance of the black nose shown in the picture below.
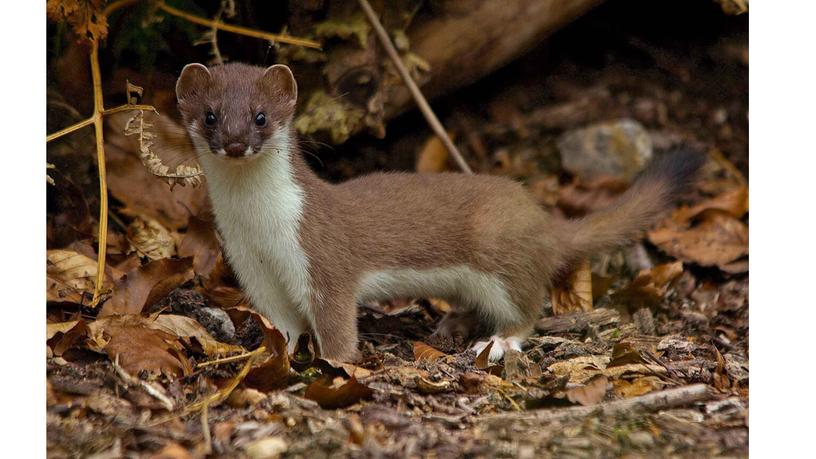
(235, 149)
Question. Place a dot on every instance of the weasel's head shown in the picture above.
(237, 111)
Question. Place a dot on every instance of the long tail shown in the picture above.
(653, 192)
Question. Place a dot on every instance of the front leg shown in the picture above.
(335, 325)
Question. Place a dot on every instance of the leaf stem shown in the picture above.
(238, 29)
(99, 109)
(70, 129)
(126, 107)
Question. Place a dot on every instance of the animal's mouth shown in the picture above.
(236, 154)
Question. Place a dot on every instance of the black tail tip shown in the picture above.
(677, 168)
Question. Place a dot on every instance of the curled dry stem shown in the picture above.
(182, 175)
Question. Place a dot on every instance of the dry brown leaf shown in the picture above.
(635, 368)
(576, 293)
(64, 337)
(479, 383)
(147, 284)
(483, 359)
(186, 327)
(718, 240)
(337, 393)
(734, 202)
(149, 238)
(139, 347)
(346, 370)
(719, 175)
(721, 380)
(579, 198)
(517, 367)
(591, 393)
(650, 285)
(52, 328)
(172, 450)
(59, 292)
(429, 387)
(426, 353)
(244, 397)
(84, 16)
(201, 243)
(580, 369)
(270, 370)
(221, 287)
(636, 387)
(73, 269)
(733, 7)
(623, 353)
(433, 157)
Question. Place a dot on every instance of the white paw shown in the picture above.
(500, 346)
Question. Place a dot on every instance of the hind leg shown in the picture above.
(458, 325)
(502, 342)
(463, 324)
(509, 333)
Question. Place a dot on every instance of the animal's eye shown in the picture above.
(210, 119)
(260, 119)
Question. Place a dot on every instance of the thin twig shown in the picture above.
(216, 397)
(117, 5)
(70, 129)
(99, 108)
(205, 429)
(512, 402)
(234, 358)
(238, 29)
(420, 100)
(149, 388)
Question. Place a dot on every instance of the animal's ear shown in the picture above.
(194, 78)
(278, 81)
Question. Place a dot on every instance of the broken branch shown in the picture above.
(651, 402)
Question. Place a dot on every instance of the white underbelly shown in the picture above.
(478, 290)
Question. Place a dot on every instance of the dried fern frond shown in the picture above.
(182, 175)
(48, 178)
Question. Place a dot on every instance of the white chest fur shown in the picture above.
(258, 207)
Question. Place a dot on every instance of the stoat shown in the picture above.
(307, 251)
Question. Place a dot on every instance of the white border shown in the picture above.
(22, 117)
(782, 227)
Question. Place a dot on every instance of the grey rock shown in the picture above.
(616, 148)
(217, 322)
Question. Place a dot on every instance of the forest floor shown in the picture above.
(656, 365)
